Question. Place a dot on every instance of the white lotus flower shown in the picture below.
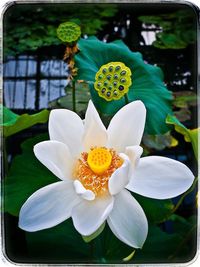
(97, 167)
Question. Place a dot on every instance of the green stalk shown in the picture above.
(74, 95)
(5, 157)
(181, 200)
(185, 194)
(91, 251)
(126, 99)
(96, 254)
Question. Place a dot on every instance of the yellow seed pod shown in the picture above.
(99, 160)
(112, 81)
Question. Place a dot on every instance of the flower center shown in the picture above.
(99, 160)
(112, 81)
(95, 168)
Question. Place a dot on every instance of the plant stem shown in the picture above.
(5, 157)
(96, 251)
(74, 95)
(92, 250)
(181, 200)
(184, 195)
(126, 99)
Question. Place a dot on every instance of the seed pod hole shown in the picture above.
(123, 73)
(110, 68)
(108, 94)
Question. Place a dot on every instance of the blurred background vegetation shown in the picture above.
(35, 25)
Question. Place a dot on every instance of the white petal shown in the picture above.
(88, 216)
(134, 153)
(95, 133)
(48, 206)
(56, 157)
(84, 193)
(128, 221)
(120, 178)
(160, 178)
(127, 126)
(67, 127)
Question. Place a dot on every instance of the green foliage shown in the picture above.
(147, 81)
(82, 97)
(35, 25)
(156, 210)
(183, 100)
(182, 225)
(25, 176)
(178, 29)
(159, 142)
(61, 243)
(13, 123)
(189, 135)
(187, 230)
(159, 247)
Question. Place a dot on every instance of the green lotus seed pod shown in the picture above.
(68, 32)
(113, 89)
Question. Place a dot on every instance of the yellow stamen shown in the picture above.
(97, 183)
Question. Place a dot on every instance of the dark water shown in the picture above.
(23, 80)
